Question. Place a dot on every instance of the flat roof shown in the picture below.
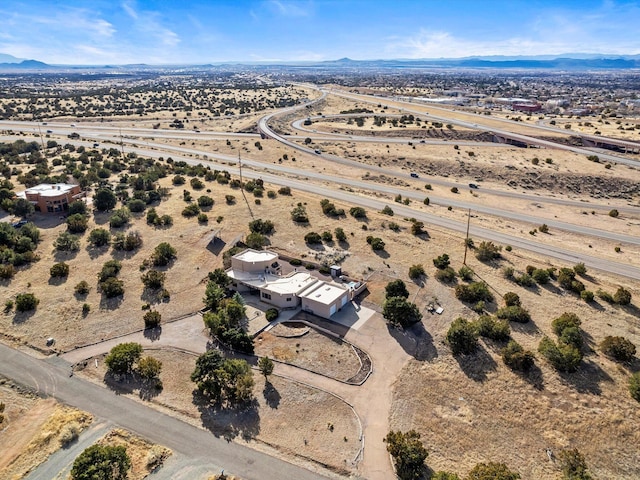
(290, 284)
(50, 189)
(324, 293)
(250, 255)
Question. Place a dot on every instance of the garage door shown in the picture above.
(332, 310)
(344, 300)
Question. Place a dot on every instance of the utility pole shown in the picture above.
(466, 239)
(121, 145)
(242, 187)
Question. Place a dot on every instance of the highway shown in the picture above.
(50, 377)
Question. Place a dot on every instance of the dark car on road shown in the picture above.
(414, 175)
(473, 185)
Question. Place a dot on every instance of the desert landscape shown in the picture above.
(477, 226)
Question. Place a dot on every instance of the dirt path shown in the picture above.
(371, 401)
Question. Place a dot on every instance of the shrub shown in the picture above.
(399, 312)
(446, 275)
(540, 276)
(587, 296)
(271, 314)
(230, 199)
(454, 189)
(284, 191)
(634, 386)
(299, 214)
(462, 337)
(163, 254)
(59, 270)
(136, 205)
(153, 279)
(489, 327)
(327, 237)
(358, 212)
(408, 454)
(340, 235)
(313, 238)
(120, 218)
(396, 288)
(487, 251)
(205, 201)
(328, 208)
(66, 242)
(441, 262)
(265, 227)
(203, 218)
(580, 269)
(196, 184)
(152, 319)
(564, 321)
(473, 292)
(255, 241)
(563, 357)
(77, 223)
(99, 237)
(511, 299)
(178, 180)
(7, 271)
(622, 296)
(387, 210)
(492, 471)
(377, 244)
(614, 213)
(77, 206)
(465, 273)
(606, 296)
(525, 280)
(190, 210)
(618, 348)
(573, 465)
(26, 302)
(82, 288)
(514, 313)
(416, 271)
(517, 358)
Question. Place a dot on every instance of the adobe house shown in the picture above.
(52, 198)
(259, 272)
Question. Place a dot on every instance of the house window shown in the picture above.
(266, 295)
(288, 299)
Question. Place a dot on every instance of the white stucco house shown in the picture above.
(259, 271)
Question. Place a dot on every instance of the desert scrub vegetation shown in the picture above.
(163, 254)
(566, 354)
(619, 349)
(517, 358)
(299, 214)
(330, 210)
(59, 270)
(462, 337)
(634, 386)
(26, 302)
(99, 237)
(473, 292)
(408, 453)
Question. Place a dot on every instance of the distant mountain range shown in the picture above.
(570, 61)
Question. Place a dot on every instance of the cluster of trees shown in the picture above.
(397, 310)
(223, 381)
(329, 209)
(225, 316)
(125, 359)
(566, 354)
(108, 282)
(17, 247)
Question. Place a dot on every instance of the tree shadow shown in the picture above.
(124, 254)
(528, 328)
(110, 303)
(229, 422)
(632, 310)
(344, 244)
(382, 253)
(477, 365)
(95, 252)
(152, 333)
(56, 281)
(149, 389)
(21, 317)
(119, 384)
(533, 376)
(61, 256)
(271, 395)
(415, 341)
(587, 379)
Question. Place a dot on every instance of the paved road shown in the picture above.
(51, 378)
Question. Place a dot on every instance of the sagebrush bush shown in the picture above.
(618, 348)
(514, 313)
(516, 357)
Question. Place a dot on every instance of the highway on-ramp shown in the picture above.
(50, 377)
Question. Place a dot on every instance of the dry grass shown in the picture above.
(34, 429)
(283, 415)
(145, 456)
(313, 351)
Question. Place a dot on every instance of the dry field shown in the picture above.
(32, 429)
(294, 419)
(310, 350)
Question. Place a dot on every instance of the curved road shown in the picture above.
(51, 378)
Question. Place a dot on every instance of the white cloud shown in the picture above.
(290, 8)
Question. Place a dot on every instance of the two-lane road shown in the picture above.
(51, 377)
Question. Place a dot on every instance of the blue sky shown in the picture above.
(198, 31)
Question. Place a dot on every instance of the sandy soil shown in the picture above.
(31, 430)
(293, 418)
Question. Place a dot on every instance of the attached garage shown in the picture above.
(324, 299)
